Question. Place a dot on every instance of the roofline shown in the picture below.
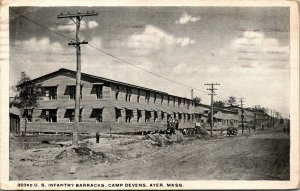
(108, 80)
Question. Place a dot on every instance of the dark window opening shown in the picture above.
(70, 113)
(118, 114)
(117, 92)
(138, 96)
(154, 100)
(173, 101)
(155, 115)
(99, 92)
(73, 92)
(139, 115)
(162, 115)
(28, 115)
(51, 92)
(97, 114)
(147, 116)
(179, 117)
(128, 94)
(147, 98)
(50, 115)
(129, 115)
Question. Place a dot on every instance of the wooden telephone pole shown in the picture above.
(76, 18)
(243, 114)
(212, 90)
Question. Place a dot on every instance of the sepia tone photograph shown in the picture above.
(181, 93)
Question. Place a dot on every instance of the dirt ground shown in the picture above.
(263, 155)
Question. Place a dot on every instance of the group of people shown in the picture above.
(173, 124)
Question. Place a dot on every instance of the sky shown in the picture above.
(246, 50)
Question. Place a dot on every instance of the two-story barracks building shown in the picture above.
(106, 106)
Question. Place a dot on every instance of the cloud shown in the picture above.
(92, 24)
(256, 46)
(185, 41)
(96, 41)
(186, 18)
(153, 38)
(40, 45)
(69, 27)
(183, 68)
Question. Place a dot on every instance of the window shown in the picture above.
(128, 94)
(173, 101)
(168, 116)
(118, 114)
(97, 114)
(129, 115)
(188, 104)
(147, 98)
(51, 92)
(73, 92)
(162, 115)
(179, 102)
(168, 100)
(183, 101)
(155, 116)
(189, 117)
(139, 115)
(174, 114)
(179, 117)
(117, 92)
(154, 98)
(138, 96)
(70, 113)
(50, 115)
(184, 117)
(147, 116)
(162, 99)
(28, 115)
(99, 92)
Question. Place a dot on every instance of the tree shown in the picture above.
(219, 104)
(27, 94)
(231, 100)
(197, 100)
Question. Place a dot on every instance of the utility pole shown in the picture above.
(271, 118)
(243, 116)
(76, 18)
(212, 104)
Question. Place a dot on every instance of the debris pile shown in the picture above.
(80, 154)
(201, 131)
(161, 139)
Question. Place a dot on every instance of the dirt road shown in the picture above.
(260, 156)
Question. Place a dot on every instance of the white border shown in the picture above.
(294, 91)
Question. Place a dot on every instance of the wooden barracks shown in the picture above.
(111, 106)
(106, 105)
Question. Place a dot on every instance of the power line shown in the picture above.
(160, 76)
(43, 26)
(26, 11)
